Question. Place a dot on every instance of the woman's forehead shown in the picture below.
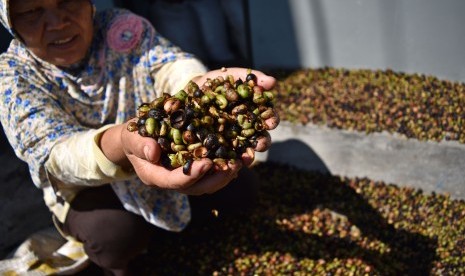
(32, 2)
(14, 3)
(23, 2)
(18, 3)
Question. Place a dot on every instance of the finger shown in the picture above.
(248, 157)
(273, 122)
(142, 147)
(157, 175)
(215, 181)
(267, 82)
(263, 142)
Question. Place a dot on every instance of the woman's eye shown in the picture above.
(30, 13)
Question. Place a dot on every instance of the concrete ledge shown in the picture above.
(429, 166)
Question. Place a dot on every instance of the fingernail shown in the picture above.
(205, 169)
(147, 153)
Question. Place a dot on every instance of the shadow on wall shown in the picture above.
(214, 30)
(273, 35)
(227, 32)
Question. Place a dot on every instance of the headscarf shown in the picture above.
(41, 104)
(4, 16)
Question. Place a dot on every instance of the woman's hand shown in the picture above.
(131, 150)
(144, 155)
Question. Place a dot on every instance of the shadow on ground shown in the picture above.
(280, 235)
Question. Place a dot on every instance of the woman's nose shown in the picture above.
(54, 19)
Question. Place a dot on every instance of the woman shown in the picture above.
(70, 82)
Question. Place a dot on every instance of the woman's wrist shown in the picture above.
(111, 146)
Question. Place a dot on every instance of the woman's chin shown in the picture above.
(66, 61)
(67, 58)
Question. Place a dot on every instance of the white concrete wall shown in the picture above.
(415, 36)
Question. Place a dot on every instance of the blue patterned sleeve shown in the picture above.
(33, 121)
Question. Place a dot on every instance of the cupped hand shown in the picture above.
(144, 154)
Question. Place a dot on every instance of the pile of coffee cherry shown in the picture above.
(221, 120)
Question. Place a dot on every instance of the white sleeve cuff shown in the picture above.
(78, 160)
(174, 76)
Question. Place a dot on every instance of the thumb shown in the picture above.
(151, 152)
(141, 147)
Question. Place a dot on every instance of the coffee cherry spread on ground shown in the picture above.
(221, 120)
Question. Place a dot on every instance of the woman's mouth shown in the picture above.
(63, 43)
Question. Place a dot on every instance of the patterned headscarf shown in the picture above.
(4, 15)
(41, 104)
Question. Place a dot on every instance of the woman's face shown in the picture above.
(57, 31)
